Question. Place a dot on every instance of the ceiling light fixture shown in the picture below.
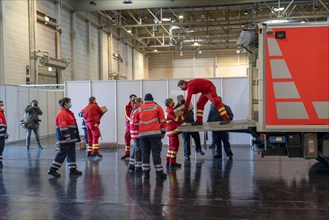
(129, 31)
(127, 1)
(155, 50)
(166, 19)
(238, 51)
(195, 44)
(200, 51)
(46, 19)
(278, 9)
(181, 16)
(174, 27)
(181, 53)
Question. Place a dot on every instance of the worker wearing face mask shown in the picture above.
(67, 134)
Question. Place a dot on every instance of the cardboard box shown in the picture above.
(179, 111)
(104, 109)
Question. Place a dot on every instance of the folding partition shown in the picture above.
(115, 95)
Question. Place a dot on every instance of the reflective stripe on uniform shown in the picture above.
(149, 122)
(149, 133)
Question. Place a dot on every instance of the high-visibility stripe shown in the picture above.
(322, 109)
(285, 90)
(199, 115)
(279, 69)
(158, 165)
(162, 120)
(221, 109)
(72, 126)
(284, 110)
(168, 121)
(149, 122)
(273, 47)
(199, 110)
(149, 133)
(172, 132)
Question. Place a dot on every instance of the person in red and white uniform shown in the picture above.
(208, 92)
(171, 130)
(3, 131)
(135, 162)
(151, 120)
(67, 134)
(92, 114)
(128, 109)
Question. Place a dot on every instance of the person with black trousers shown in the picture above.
(220, 137)
(187, 135)
(32, 121)
(67, 135)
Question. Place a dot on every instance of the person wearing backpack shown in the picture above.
(32, 120)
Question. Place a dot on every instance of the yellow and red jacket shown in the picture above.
(172, 121)
(151, 119)
(128, 109)
(196, 86)
(66, 127)
(92, 113)
(134, 126)
(3, 124)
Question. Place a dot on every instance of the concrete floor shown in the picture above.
(249, 187)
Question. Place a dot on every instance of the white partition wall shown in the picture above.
(16, 98)
(115, 95)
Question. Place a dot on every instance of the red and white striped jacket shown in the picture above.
(151, 119)
(128, 109)
(3, 124)
(134, 126)
(172, 121)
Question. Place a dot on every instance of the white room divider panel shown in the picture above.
(115, 94)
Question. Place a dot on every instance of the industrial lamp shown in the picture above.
(127, 1)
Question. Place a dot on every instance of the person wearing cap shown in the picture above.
(171, 130)
(3, 131)
(135, 162)
(208, 92)
(32, 112)
(67, 134)
(127, 110)
(92, 114)
(187, 135)
(151, 120)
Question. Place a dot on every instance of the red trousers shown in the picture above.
(127, 141)
(173, 148)
(93, 133)
(212, 96)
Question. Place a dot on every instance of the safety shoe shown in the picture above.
(225, 121)
(131, 167)
(230, 158)
(54, 173)
(138, 170)
(75, 172)
(217, 157)
(200, 152)
(187, 158)
(175, 165)
(211, 146)
(124, 157)
(196, 123)
(40, 147)
(96, 154)
(161, 175)
(146, 175)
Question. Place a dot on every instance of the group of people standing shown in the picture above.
(146, 125)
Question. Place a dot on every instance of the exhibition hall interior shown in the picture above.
(164, 109)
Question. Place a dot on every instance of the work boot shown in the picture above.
(146, 174)
(124, 157)
(211, 146)
(175, 165)
(200, 152)
(138, 170)
(40, 147)
(75, 172)
(161, 175)
(96, 154)
(53, 172)
(217, 157)
(131, 167)
(196, 123)
(225, 121)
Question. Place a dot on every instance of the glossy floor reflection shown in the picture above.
(249, 187)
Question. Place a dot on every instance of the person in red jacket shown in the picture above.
(208, 92)
(67, 134)
(171, 129)
(151, 120)
(3, 131)
(92, 114)
(128, 109)
(135, 162)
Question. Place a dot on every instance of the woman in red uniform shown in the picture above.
(67, 134)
